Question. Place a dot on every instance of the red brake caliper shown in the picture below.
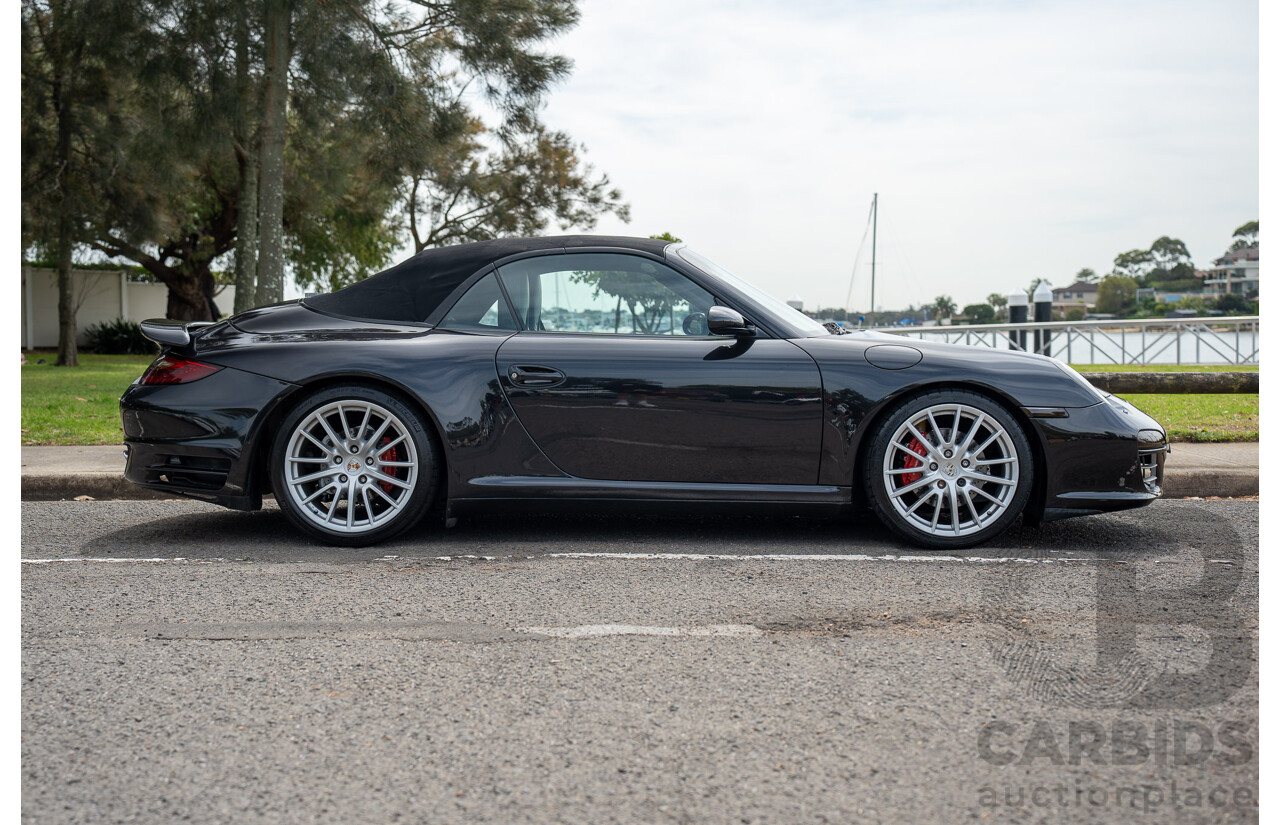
(389, 455)
(909, 462)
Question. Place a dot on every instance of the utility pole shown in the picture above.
(875, 219)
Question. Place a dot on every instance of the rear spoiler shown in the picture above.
(168, 333)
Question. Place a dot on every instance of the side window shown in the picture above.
(482, 308)
(604, 293)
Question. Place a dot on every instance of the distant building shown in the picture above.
(796, 302)
(1079, 295)
(1236, 272)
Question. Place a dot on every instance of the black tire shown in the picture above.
(363, 509)
(946, 505)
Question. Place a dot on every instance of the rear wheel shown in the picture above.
(949, 469)
(353, 466)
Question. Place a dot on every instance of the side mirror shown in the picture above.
(725, 321)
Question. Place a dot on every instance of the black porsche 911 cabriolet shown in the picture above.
(609, 372)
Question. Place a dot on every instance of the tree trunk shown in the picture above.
(189, 295)
(247, 234)
(270, 288)
(68, 356)
(247, 159)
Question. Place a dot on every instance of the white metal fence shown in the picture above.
(1216, 340)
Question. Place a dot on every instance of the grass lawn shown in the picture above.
(1163, 368)
(78, 405)
(1202, 417)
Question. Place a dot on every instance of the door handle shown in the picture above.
(534, 376)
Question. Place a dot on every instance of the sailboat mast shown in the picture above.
(875, 219)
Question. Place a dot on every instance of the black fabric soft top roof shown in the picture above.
(411, 290)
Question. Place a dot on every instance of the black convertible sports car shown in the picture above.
(611, 372)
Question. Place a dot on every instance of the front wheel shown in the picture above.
(949, 469)
(353, 466)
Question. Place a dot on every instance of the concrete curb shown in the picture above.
(101, 486)
(1205, 482)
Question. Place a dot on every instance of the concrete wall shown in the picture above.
(101, 296)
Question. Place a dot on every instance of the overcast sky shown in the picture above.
(1007, 140)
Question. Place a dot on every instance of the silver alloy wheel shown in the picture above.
(351, 466)
(951, 470)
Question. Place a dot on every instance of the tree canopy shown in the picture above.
(1117, 294)
(980, 313)
(1245, 236)
(315, 136)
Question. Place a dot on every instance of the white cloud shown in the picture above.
(1007, 140)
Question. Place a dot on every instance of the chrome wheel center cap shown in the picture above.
(949, 470)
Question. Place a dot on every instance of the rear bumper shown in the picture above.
(1103, 458)
(198, 439)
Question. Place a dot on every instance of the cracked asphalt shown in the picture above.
(637, 669)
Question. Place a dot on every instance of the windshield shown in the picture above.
(787, 313)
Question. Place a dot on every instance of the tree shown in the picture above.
(1117, 294)
(1135, 264)
(269, 288)
(1075, 314)
(473, 193)
(1087, 276)
(980, 313)
(1035, 284)
(666, 236)
(1172, 260)
(944, 306)
(1245, 236)
(368, 94)
(1233, 303)
(997, 301)
(73, 126)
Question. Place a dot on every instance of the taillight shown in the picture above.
(168, 369)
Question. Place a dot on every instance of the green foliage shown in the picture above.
(1134, 264)
(1247, 232)
(119, 337)
(944, 306)
(666, 236)
(533, 177)
(1169, 252)
(980, 313)
(1117, 294)
(1075, 314)
(1233, 303)
(1087, 276)
(379, 125)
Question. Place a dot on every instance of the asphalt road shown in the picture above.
(706, 669)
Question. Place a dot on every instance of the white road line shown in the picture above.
(803, 557)
(593, 630)
(122, 561)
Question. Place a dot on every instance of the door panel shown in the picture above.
(667, 408)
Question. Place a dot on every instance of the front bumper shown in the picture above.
(199, 439)
(1103, 458)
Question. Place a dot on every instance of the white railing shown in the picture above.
(1214, 340)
